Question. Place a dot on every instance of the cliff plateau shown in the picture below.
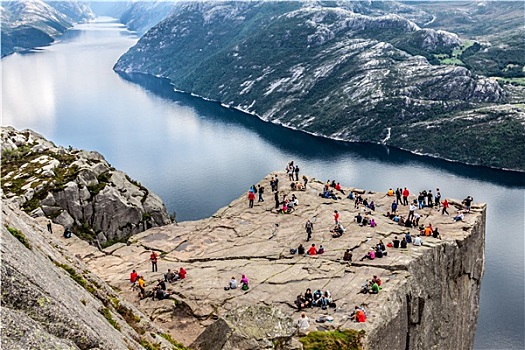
(429, 299)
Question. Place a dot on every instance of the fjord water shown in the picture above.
(199, 156)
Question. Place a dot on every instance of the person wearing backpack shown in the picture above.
(261, 192)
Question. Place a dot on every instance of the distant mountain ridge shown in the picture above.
(27, 24)
(325, 69)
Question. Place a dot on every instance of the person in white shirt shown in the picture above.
(303, 322)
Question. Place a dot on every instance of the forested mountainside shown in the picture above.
(30, 23)
(357, 71)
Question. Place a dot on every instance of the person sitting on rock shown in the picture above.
(376, 279)
(435, 233)
(370, 255)
(67, 233)
(294, 201)
(359, 314)
(161, 284)
(244, 282)
(292, 186)
(372, 206)
(309, 297)
(323, 302)
(321, 250)
(338, 188)
(366, 221)
(347, 256)
(312, 250)
(300, 302)
(403, 243)
(418, 241)
(459, 216)
(233, 283)
(359, 218)
(299, 186)
(303, 322)
(374, 288)
(160, 294)
(408, 237)
(317, 297)
(337, 231)
(170, 276)
(395, 242)
(373, 223)
(182, 273)
(300, 249)
(365, 287)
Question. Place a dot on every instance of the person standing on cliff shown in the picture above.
(49, 227)
(445, 207)
(261, 192)
(153, 259)
(251, 198)
(437, 198)
(296, 173)
(406, 193)
(398, 195)
(276, 196)
(305, 180)
(336, 217)
(309, 226)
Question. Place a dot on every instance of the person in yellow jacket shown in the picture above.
(142, 287)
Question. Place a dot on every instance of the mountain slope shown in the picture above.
(324, 70)
(30, 23)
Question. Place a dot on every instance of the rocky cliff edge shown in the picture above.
(429, 297)
(76, 189)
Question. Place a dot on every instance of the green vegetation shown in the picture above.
(107, 314)
(148, 346)
(333, 340)
(176, 345)
(20, 236)
(516, 81)
(76, 277)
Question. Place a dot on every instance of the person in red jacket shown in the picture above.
(153, 259)
(445, 207)
(182, 273)
(406, 193)
(312, 250)
(133, 277)
(251, 197)
(336, 217)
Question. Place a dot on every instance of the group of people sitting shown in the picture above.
(318, 299)
(372, 286)
(288, 205)
(160, 292)
(378, 251)
(172, 276)
(365, 220)
(234, 285)
(311, 251)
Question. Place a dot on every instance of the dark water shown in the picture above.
(198, 156)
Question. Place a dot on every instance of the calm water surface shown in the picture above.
(199, 156)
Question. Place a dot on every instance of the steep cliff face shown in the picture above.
(76, 189)
(50, 300)
(430, 294)
(327, 70)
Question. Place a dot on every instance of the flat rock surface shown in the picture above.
(256, 242)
